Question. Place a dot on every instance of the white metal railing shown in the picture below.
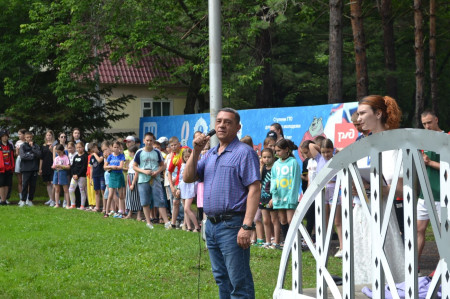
(411, 168)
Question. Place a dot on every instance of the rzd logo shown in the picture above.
(344, 135)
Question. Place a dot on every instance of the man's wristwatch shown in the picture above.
(246, 227)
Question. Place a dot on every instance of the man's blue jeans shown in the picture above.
(230, 263)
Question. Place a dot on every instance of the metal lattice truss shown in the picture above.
(410, 171)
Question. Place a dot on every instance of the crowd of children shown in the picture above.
(122, 180)
(281, 179)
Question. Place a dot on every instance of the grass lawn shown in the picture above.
(46, 252)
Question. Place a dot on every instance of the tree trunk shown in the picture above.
(420, 68)
(335, 53)
(359, 41)
(193, 93)
(264, 93)
(433, 72)
(389, 47)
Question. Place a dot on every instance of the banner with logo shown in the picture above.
(299, 123)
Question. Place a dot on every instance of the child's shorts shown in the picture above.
(99, 183)
(60, 177)
(6, 179)
(329, 192)
(48, 177)
(116, 180)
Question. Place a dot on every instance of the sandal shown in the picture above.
(197, 230)
(105, 215)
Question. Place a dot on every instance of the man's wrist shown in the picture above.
(248, 227)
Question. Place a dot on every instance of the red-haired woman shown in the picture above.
(377, 114)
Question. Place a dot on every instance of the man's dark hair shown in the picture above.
(428, 112)
(231, 110)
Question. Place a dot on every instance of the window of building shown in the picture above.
(151, 107)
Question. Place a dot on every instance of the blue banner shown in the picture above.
(299, 123)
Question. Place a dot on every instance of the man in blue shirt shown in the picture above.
(230, 172)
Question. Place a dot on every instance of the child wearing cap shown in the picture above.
(129, 141)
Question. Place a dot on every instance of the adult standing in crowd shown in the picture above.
(357, 124)
(377, 114)
(62, 139)
(45, 165)
(277, 128)
(76, 135)
(430, 121)
(230, 172)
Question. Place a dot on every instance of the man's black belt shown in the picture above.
(225, 216)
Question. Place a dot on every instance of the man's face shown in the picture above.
(226, 126)
(430, 122)
(358, 126)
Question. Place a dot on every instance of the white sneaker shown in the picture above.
(64, 204)
(338, 254)
(168, 225)
(29, 203)
(48, 202)
(52, 204)
(21, 203)
(150, 226)
(7, 202)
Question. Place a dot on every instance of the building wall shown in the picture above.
(134, 108)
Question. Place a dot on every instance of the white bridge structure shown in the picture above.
(411, 167)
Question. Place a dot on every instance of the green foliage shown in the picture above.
(50, 81)
(47, 48)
